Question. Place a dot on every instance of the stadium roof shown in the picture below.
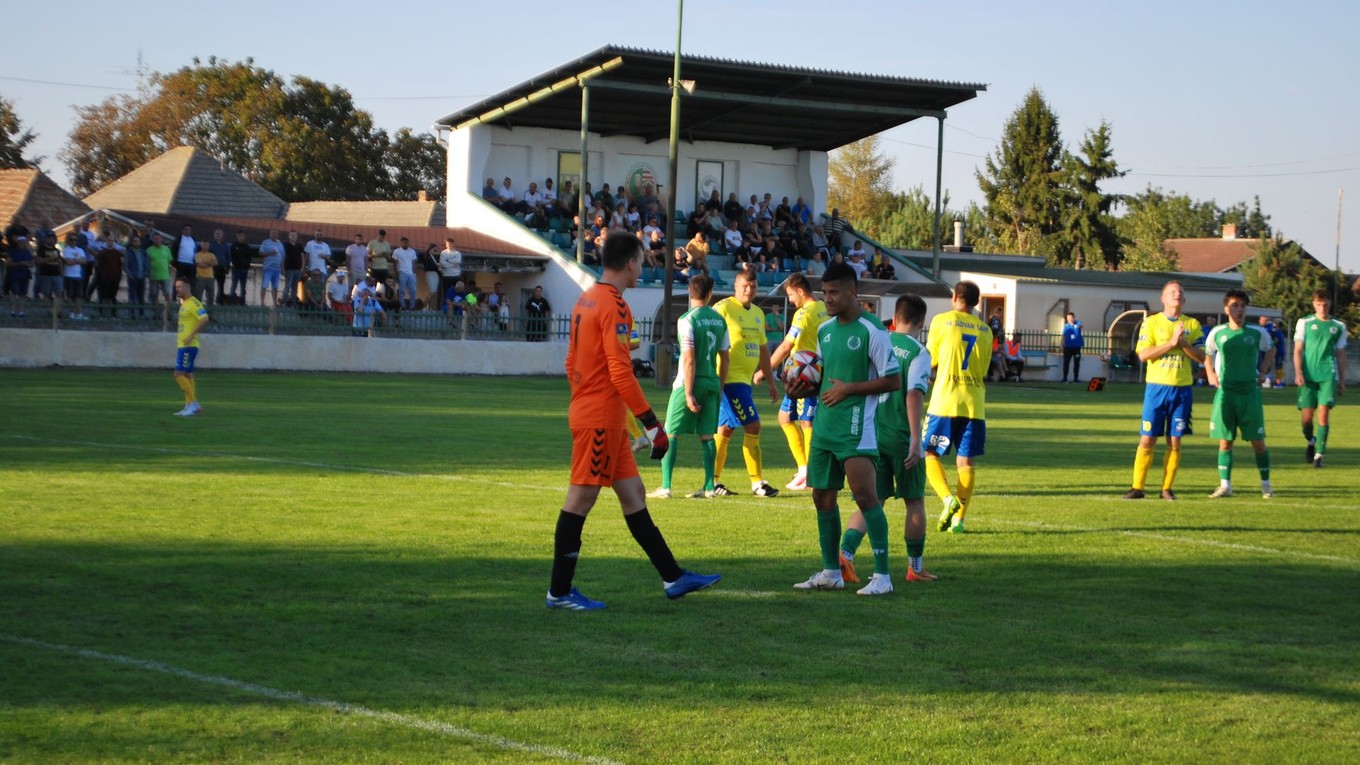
(1035, 270)
(732, 101)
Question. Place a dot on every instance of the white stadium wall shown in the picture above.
(155, 350)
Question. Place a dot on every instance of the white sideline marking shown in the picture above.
(405, 721)
(1172, 538)
(268, 460)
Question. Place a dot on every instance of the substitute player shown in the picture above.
(960, 348)
(750, 364)
(1168, 342)
(1239, 358)
(858, 366)
(193, 317)
(600, 373)
(796, 414)
(1321, 379)
(702, 334)
(901, 471)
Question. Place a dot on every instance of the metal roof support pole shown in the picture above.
(663, 377)
(581, 182)
(939, 171)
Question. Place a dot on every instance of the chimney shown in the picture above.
(422, 196)
(1229, 230)
(958, 233)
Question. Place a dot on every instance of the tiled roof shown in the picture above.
(1212, 255)
(30, 197)
(388, 214)
(187, 181)
(338, 235)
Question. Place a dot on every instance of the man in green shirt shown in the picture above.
(704, 345)
(901, 468)
(158, 258)
(1237, 356)
(858, 366)
(1320, 377)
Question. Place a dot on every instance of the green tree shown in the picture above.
(415, 163)
(859, 182)
(14, 139)
(907, 220)
(1251, 223)
(1091, 237)
(1282, 276)
(1022, 181)
(301, 140)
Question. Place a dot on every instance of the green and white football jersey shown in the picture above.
(1321, 340)
(856, 351)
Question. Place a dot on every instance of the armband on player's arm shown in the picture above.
(651, 427)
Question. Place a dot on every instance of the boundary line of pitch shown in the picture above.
(392, 718)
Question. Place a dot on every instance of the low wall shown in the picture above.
(133, 350)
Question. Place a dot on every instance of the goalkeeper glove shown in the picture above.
(652, 429)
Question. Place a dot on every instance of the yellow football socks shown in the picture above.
(634, 428)
(939, 482)
(794, 434)
(807, 446)
(750, 449)
(965, 492)
(186, 385)
(720, 442)
(1173, 463)
(1141, 464)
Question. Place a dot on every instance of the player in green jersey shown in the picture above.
(1235, 365)
(858, 366)
(1321, 379)
(901, 469)
(704, 345)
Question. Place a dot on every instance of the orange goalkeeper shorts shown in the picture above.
(601, 456)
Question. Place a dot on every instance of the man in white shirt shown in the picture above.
(732, 237)
(532, 202)
(450, 270)
(318, 253)
(271, 257)
(857, 263)
(405, 258)
(337, 292)
(858, 249)
(73, 260)
(186, 248)
(507, 196)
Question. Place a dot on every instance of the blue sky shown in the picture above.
(1217, 100)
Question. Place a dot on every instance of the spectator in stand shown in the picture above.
(537, 310)
(634, 218)
(606, 199)
(819, 242)
(732, 209)
(816, 265)
(532, 204)
(732, 239)
(318, 253)
(405, 257)
(884, 270)
(680, 266)
(314, 291)
(714, 202)
(379, 251)
(271, 257)
(751, 213)
(134, 268)
(783, 213)
(185, 249)
(204, 263)
(293, 261)
(456, 299)
(858, 249)
(509, 200)
(18, 272)
(1015, 358)
(801, 212)
(656, 242)
(158, 260)
(618, 220)
(429, 262)
(695, 222)
(650, 206)
(240, 256)
(338, 293)
(777, 256)
(356, 256)
(221, 249)
(714, 223)
(490, 194)
(596, 236)
(567, 200)
(450, 271)
(368, 312)
(73, 260)
(697, 249)
(108, 272)
(48, 260)
(366, 285)
(834, 227)
(857, 263)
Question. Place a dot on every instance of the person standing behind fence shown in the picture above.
(205, 263)
(367, 313)
(158, 259)
(1072, 343)
(135, 269)
(356, 258)
(271, 256)
(405, 257)
(537, 309)
(450, 266)
(239, 256)
(429, 263)
(221, 249)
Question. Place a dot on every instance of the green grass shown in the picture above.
(384, 542)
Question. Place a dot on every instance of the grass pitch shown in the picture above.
(330, 568)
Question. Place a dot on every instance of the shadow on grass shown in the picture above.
(384, 626)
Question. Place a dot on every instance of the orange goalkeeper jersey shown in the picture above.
(599, 365)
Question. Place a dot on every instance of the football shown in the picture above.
(803, 369)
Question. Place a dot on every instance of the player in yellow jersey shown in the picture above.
(960, 348)
(749, 365)
(795, 415)
(1168, 342)
(193, 317)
